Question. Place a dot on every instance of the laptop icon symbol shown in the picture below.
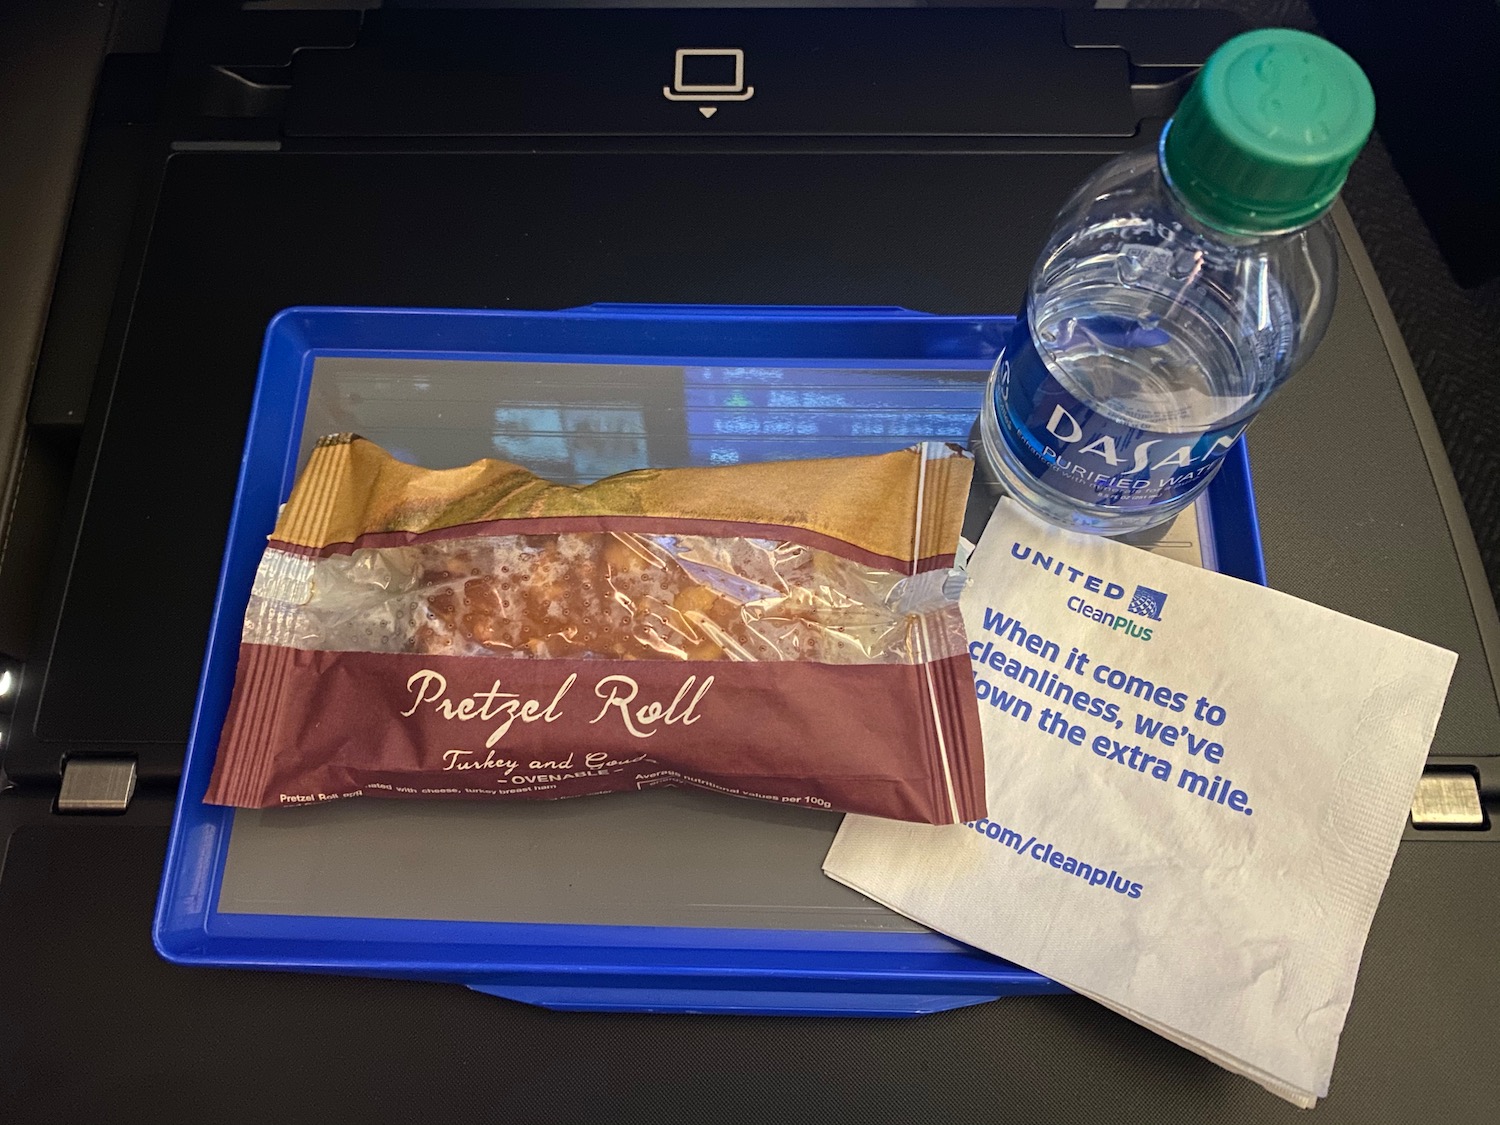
(709, 74)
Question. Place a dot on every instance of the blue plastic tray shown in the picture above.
(586, 967)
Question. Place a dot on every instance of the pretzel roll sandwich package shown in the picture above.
(786, 631)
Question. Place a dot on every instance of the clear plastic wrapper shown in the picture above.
(603, 596)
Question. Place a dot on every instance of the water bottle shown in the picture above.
(1179, 288)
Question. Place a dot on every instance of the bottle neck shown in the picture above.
(1193, 219)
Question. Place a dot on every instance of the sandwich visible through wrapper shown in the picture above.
(786, 631)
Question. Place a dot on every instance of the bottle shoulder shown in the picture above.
(1129, 199)
(1125, 229)
(1173, 324)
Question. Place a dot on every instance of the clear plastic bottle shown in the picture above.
(1179, 289)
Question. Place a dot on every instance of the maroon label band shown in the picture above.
(306, 727)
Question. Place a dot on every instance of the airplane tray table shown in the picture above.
(659, 901)
(214, 188)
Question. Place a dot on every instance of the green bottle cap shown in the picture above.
(1264, 137)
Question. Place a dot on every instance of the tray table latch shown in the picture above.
(96, 785)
